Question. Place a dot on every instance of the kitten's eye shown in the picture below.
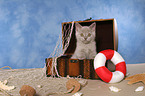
(81, 34)
(89, 35)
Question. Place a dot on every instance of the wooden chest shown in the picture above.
(106, 38)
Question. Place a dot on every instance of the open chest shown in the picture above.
(106, 38)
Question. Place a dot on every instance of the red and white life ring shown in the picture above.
(103, 72)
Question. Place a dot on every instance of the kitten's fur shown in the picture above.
(86, 45)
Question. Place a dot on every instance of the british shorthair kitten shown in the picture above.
(85, 45)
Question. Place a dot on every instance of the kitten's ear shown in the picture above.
(93, 26)
(77, 26)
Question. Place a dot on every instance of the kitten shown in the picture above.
(85, 45)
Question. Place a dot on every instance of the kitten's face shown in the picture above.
(85, 34)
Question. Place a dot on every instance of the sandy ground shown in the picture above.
(35, 77)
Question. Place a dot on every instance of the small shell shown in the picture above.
(39, 86)
(78, 94)
(114, 89)
(5, 87)
(138, 89)
(68, 77)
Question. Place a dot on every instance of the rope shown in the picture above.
(5, 67)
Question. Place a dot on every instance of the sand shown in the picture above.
(45, 85)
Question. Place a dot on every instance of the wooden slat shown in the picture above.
(74, 68)
(86, 69)
(61, 66)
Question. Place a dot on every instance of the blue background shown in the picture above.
(29, 29)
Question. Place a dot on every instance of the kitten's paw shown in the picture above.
(73, 57)
(92, 56)
(81, 58)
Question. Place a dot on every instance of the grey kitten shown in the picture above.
(86, 45)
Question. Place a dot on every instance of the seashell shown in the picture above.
(78, 94)
(114, 89)
(5, 87)
(138, 89)
(39, 86)
(68, 77)
(73, 83)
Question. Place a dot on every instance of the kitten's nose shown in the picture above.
(85, 38)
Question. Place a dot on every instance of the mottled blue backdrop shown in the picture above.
(29, 29)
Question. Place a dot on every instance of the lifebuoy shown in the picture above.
(103, 72)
